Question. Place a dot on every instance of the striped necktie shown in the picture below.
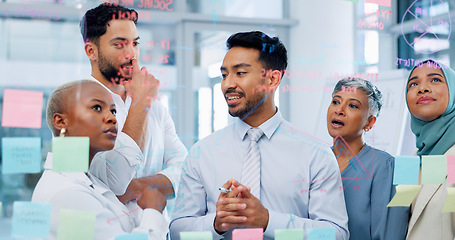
(251, 172)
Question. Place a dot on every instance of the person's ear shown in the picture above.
(371, 122)
(91, 50)
(275, 79)
(60, 121)
(272, 79)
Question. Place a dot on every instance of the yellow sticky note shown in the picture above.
(449, 204)
(404, 196)
(76, 225)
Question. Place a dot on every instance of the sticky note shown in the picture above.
(30, 220)
(70, 154)
(132, 236)
(196, 235)
(75, 225)
(404, 196)
(247, 234)
(289, 234)
(21, 155)
(434, 169)
(451, 169)
(406, 170)
(385, 3)
(321, 234)
(449, 204)
(22, 109)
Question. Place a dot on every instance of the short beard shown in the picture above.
(108, 70)
(250, 106)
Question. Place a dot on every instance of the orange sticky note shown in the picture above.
(248, 234)
(22, 109)
(451, 169)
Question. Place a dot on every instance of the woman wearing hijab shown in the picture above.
(430, 96)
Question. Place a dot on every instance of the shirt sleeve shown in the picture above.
(190, 212)
(117, 167)
(326, 207)
(154, 223)
(106, 226)
(174, 150)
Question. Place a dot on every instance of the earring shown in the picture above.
(366, 129)
(62, 132)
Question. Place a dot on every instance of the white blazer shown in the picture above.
(427, 220)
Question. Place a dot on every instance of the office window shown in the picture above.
(425, 31)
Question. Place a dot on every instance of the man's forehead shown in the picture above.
(125, 28)
(241, 57)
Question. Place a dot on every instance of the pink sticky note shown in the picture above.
(248, 234)
(385, 3)
(22, 109)
(451, 169)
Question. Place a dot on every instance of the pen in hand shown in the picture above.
(224, 190)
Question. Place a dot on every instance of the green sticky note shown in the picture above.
(321, 234)
(70, 154)
(206, 235)
(75, 225)
(289, 234)
(21, 155)
(449, 204)
(404, 196)
(434, 169)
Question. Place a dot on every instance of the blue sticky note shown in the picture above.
(70, 154)
(434, 169)
(132, 236)
(21, 155)
(31, 220)
(406, 170)
(321, 234)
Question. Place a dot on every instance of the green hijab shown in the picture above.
(437, 136)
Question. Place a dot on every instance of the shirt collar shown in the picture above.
(79, 176)
(96, 80)
(90, 181)
(268, 127)
(114, 95)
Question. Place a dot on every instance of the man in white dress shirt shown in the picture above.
(147, 149)
(298, 183)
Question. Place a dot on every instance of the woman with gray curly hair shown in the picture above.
(366, 172)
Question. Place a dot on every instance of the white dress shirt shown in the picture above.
(76, 191)
(300, 180)
(164, 153)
